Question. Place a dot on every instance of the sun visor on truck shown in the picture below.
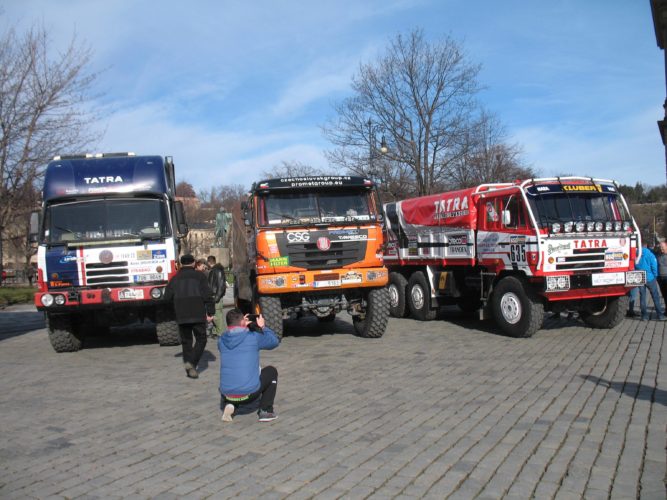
(133, 174)
(322, 181)
(569, 187)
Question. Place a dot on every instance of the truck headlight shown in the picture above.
(556, 227)
(59, 300)
(558, 283)
(635, 278)
(156, 293)
(567, 227)
(590, 226)
(626, 226)
(618, 225)
(579, 226)
(608, 226)
(47, 300)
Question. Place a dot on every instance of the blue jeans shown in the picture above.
(655, 294)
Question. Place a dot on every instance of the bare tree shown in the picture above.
(419, 96)
(42, 113)
(487, 158)
(292, 169)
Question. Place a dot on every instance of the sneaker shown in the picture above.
(228, 412)
(190, 371)
(662, 318)
(267, 415)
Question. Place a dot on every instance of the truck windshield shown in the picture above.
(314, 207)
(565, 207)
(106, 219)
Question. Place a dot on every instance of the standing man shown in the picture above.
(647, 262)
(218, 284)
(662, 269)
(244, 387)
(193, 304)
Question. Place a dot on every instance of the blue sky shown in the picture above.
(230, 88)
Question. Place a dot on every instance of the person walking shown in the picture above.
(193, 305)
(244, 387)
(662, 269)
(648, 263)
(218, 283)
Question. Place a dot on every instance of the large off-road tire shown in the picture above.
(166, 327)
(516, 309)
(243, 305)
(63, 333)
(374, 322)
(272, 311)
(419, 297)
(611, 313)
(397, 289)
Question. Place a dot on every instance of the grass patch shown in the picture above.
(16, 295)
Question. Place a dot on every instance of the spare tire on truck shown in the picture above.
(373, 323)
(516, 309)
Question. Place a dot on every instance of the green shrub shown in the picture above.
(16, 295)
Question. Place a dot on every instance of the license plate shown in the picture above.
(130, 294)
(320, 284)
(601, 279)
(148, 277)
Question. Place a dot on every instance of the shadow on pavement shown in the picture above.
(632, 389)
(137, 334)
(310, 326)
(13, 324)
(205, 358)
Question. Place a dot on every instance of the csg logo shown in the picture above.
(301, 237)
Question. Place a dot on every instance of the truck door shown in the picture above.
(503, 237)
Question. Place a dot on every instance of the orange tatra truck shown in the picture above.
(312, 245)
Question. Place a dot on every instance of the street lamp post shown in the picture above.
(372, 149)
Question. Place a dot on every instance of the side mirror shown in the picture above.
(181, 223)
(507, 218)
(33, 234)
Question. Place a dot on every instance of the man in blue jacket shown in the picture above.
(243, 386)
(647, 262)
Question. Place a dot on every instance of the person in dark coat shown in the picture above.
(218, 284)
(194, 306)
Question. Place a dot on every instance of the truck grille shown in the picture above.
(114, 273)
(346, 247)
(340, 254)
(584, 258)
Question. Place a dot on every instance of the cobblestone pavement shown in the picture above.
(445, 409)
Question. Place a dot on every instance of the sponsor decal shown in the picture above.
(590, 243)
(542, 188)
(352, 277)
(457, 239)
(279, 261)
(610, 264)
(159, 254)
(492, 214)
(458, 249)
(106, 257)
(517, 239)
(622, 242)
(144, 255)
(613, 256)
(140, 270)
(582, 187)
(59, 283)
(67, 259)
(300, 237)
(558, 248)
(273, 249)
(323, 243)
(489, 242)
(453, 207)
(103, 179)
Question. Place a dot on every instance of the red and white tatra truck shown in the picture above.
(515, 250)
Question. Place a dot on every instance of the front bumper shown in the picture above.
(325, 279)
(98, 298)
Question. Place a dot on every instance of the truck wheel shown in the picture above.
(272, 311)
(419, 298)
(516, 310)
(243, 305)
(375, 320)
(62, 333)
(166, 327)
(611, 314)
(396, 288)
